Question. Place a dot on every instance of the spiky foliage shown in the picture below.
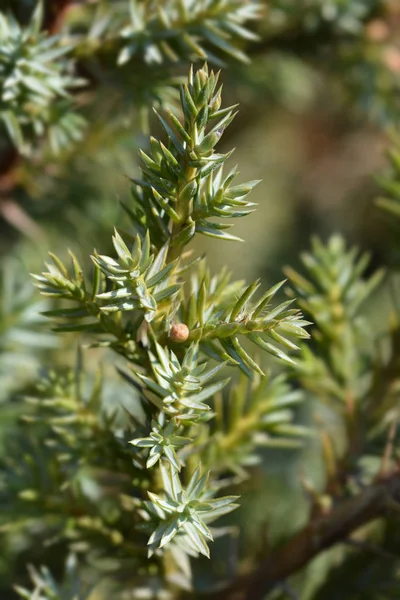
(47, 588)
(139, 300)
(188, 421)
(35, 81)
(187, 28)
(185, 513)
(389, 182)
(75, 478)
(181, 187)
(71, 451)
(151, 33)
(221, 314)
(332, 294)
(353, 373)
(180, 388)
(346, 367)
(38, 70)
(255, 415)
(22, 338)
(142, 487)
(132, 481)
(182, 182)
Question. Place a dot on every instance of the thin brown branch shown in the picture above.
(55, 13)
(8, 162)
(320, 534)
(372, 503)
(18, 218)
(389, 447)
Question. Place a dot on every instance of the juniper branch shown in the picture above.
(139, 299)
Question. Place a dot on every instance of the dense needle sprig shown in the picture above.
(35, 84)
(138, 300)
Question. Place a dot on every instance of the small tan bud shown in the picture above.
(179, 333)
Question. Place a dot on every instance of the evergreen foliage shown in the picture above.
(176, 177)
(35, 84)
(123, 477)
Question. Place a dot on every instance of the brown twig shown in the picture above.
(55, 12)
(8, 161)
(389, 447)
(371, 503)
(16, 216)
(320, 534)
